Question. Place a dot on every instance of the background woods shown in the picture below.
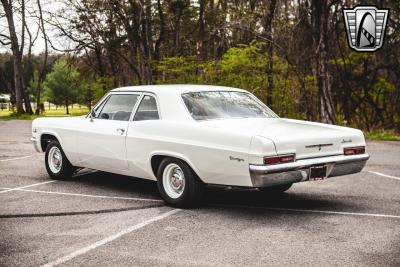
(292, 54)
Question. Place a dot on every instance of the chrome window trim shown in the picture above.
(140, 101)
(136, 107)
(98, 104)
(140, 95)
(229, 91)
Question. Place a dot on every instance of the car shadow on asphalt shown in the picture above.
(119, 183)
(219, 197)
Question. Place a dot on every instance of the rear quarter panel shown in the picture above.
(207, 150)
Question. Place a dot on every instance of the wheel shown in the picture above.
(275, 190)
(57, 164)
(178, 184)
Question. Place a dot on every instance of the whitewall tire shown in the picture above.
(57, 164)
(178, 184)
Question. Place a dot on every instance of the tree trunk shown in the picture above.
(161, 33)
(43, 71)
(320, 20)
(99, 61)
(270, 50)
(28, 106)
(148, 42)
(66, 105)
(201, 34)
(26, 97)
(177, 30)
(137, 39)
(17, 63)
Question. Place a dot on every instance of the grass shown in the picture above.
(8, 115)
(382, 135)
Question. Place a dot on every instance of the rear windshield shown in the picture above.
(225, 105)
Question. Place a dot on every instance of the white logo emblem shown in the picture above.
(365, 27)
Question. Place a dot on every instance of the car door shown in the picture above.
(101, 141)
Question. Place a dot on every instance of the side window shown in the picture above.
(147, 109)
(118, 107)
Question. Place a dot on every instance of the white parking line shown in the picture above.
(22, 187)
(225, 206)
(24, 157)
(312, 211)
(385, 175)
(86, 195)
(340, 213)
(108, 239)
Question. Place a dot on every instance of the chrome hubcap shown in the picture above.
(55, 159)
(173, 180)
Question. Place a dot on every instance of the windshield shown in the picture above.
(225, 105)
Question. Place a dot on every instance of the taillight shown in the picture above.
(353, 150)
(279, 159)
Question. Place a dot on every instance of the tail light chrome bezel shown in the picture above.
(349, 151)
(279, 159)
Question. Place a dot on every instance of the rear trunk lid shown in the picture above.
(305, 139)
(309, 139)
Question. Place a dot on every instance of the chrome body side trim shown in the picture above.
(299, 171)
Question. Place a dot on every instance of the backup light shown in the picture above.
(279, 159)
(354, 150)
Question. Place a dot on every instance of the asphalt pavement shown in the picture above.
(111, 220)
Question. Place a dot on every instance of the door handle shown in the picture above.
(121, 130)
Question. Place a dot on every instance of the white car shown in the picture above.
(187, 136)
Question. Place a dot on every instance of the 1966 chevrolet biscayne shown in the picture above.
(187, 136)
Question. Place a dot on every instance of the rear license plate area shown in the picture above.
(317, 173)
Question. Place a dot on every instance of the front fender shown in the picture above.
(49, 132)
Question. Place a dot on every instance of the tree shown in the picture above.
(92, 89)
(320, 22)
(268, 20)
(17, 55)
(303, 69)
(62, 83)
(41, 76)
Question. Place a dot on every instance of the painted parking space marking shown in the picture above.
(18, 158)
(385, 175)
(210, 205)
(312, 211)
(84, 195)
(26, 186)
(109, 239)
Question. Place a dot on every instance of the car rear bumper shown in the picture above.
(298, 171)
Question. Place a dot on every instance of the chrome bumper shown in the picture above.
(35, 144)
(299, 171)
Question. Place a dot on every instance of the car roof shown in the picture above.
(170, 102)
(175, 88)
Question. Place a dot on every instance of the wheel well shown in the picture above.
(156, 161)
(45, 139)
